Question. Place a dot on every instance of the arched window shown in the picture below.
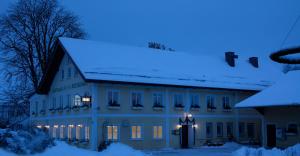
(77, 100)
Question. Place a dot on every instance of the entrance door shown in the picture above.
(271, 136)
(184, 136)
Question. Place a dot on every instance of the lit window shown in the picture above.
(157, 99)
(77, 100)
(136, 132)
(87, 133)
(225, 102)
(178, 100)
(209, 130)
(112, 133)
(157, 132)
(61, 131)
(136, 99)
(219, 129)
(194, 101)
(113, 98)
(210, 101)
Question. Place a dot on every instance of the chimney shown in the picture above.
(230, 58)
(253, 61)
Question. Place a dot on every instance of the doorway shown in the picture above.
(271, 135)
(185, 136)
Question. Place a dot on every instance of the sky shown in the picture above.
(253, 27)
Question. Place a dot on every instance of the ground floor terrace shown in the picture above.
(143, 131)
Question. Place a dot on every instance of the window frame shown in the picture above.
(175, 100)
(292, 123)
(209, 124)
(222, 129)
(112, 93)
(226, 103)
(192, 96)
(141, 100)
(157, 130)
(136, 132)
(212, 100)
(118, 131)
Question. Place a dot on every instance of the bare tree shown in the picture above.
(28, 33)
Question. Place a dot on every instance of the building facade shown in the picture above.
(90, 112)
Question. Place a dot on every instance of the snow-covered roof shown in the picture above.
(121, 63)
(285, 92)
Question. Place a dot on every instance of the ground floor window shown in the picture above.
(136, 132)
(112, 133)
(209, 130)
(250, 130)
(54, 131)
(61, 131)
(292, 128)
(78, 131)
(70, 127)
(241, 129)
(157, 132)
(87, 133)
(219, 129)
(229, 129)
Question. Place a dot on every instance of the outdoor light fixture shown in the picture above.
(55, 126)
(39, 126)
(86, 99)
(47, 126)
(71, 126)
(79, 125)
(190, 115)
(195, 126)
(178, 126)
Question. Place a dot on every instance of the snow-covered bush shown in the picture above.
(23, 142)
(246, 151)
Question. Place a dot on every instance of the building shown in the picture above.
(95, 92)
(280, 106)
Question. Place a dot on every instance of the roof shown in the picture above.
(286, 92)
(100, 61)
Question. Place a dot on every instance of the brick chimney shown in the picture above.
(230, 58)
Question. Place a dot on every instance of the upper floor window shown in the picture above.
(77, 100)
(210, 102)
(292, 128)
(226, 103)
(157, 100)
(194, 101)
(113, 98)
(62, 74)
(136, 99)
(136, 132)
(178, 100)
(69, 72)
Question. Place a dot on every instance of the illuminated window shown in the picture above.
(136, 132)
(87, 133)
(61, 131)
(54, 131)
(157, 132)
(77, 100)
(112, 133)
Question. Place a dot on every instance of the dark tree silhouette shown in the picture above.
(28, 33)
(156, 45)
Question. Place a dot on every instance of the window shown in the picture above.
(292, 128)
(113, 98)
(54, 131)
(69, 72)
(209, 130)
(194, 101)
(62, 74)
(78, 131)
(157, 100)
(112, 133)
(53, 103)
(157, 132)
(70, 128)
(61, 101)
(87, 133)
(210, 101)
(136, 99)
(225, 102)
(241, 129)
(136, 132)
(250, 130)
(229, 129)
(219, 129)
(77, 100)
(61, 131)
(178, 100)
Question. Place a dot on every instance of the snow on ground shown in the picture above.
(246, 151)
(63, 149)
